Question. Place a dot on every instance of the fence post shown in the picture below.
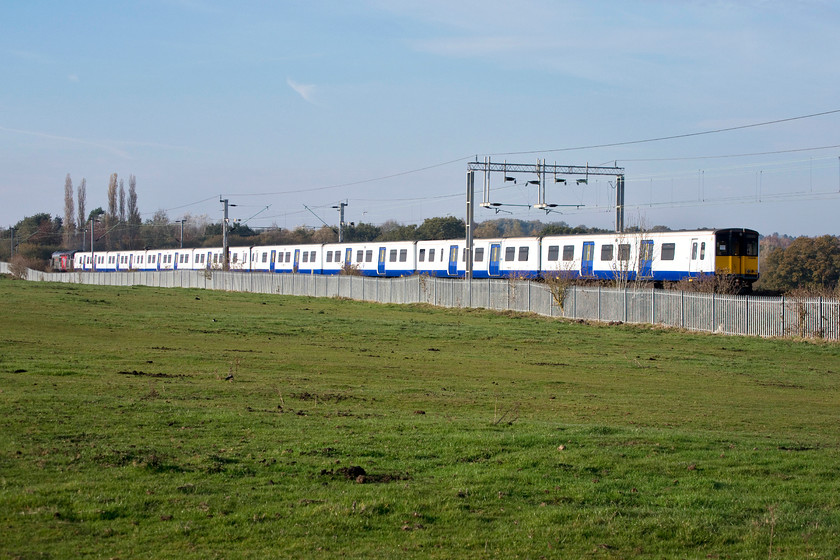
(653, 306)
(821, 317)
(599, 303)
(714, 310)
(625, 304)
(682, 309)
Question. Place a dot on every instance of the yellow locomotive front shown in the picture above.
(736, 255)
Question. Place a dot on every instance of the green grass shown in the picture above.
(152, 423)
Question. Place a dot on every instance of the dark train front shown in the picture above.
(736, 255)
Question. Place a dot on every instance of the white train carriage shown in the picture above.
(304, 259)
(348, 258)
(515, 257)
(130, 260)
(648, 256)
(448, 258)
(82, 261)
(394, 258)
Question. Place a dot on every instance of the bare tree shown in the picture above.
(133, 211)
(112, 196)
(69, 212)
(81, 194)
(111, 217)
(122, 201)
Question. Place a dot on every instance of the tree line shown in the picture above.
(806, 264)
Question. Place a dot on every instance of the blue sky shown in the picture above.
(280, 104)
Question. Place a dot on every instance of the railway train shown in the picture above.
(651, 256)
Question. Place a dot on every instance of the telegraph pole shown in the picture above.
(181, 221)
(12, 242)
(470, 218)
(225, 261)
(340, 208)
(92, 257)
(226, 256)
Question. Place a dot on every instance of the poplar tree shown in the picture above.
(69, 213)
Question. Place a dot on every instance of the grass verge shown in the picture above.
(142, 422)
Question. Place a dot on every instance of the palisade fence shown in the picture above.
(724, 314)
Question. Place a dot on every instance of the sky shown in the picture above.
(721, 113)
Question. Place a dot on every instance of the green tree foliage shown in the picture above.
(807, 263)
(38, 236)
(441, 228)
(361, 232)
(392, 231)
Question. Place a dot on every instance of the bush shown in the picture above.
(20, 265)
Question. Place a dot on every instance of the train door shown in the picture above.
(131, 261)
(209, 260)
(495, 257)
(646, 259)
(297, 261)
(158, 262)
(348, 257)
(175, 262)
(380, 266)
(271, 260)
(586, 258)
(64, 266)
(694, 264)
(453, 260)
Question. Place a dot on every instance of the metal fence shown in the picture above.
(725, 314)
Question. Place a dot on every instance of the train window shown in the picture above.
(607, 252)
(510, 253)
(479, 254)
(329, 256)
(264, 257)
(235, 257)
(403, 255)
(702, 250)
(369, 255)
(568, 252)
(360, 255)
(431, 255)
(311, 256)
(422, 256)
(523, 253)
(306, 256)
(750, 247)
(392, 256)
(553, 252)
(722, 248)
(668, 251)
(337, 256)
(694, 250)
(624, 252)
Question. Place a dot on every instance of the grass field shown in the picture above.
(151, 423)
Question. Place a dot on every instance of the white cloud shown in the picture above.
(306, 91)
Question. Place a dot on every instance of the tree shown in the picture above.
(807, 263)
(441, 228)
(38, 237)
(81, 195)
(392, 231)
(361, 232)
(133, 211)
(111, 217)
(122, 201)
(69, 213)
